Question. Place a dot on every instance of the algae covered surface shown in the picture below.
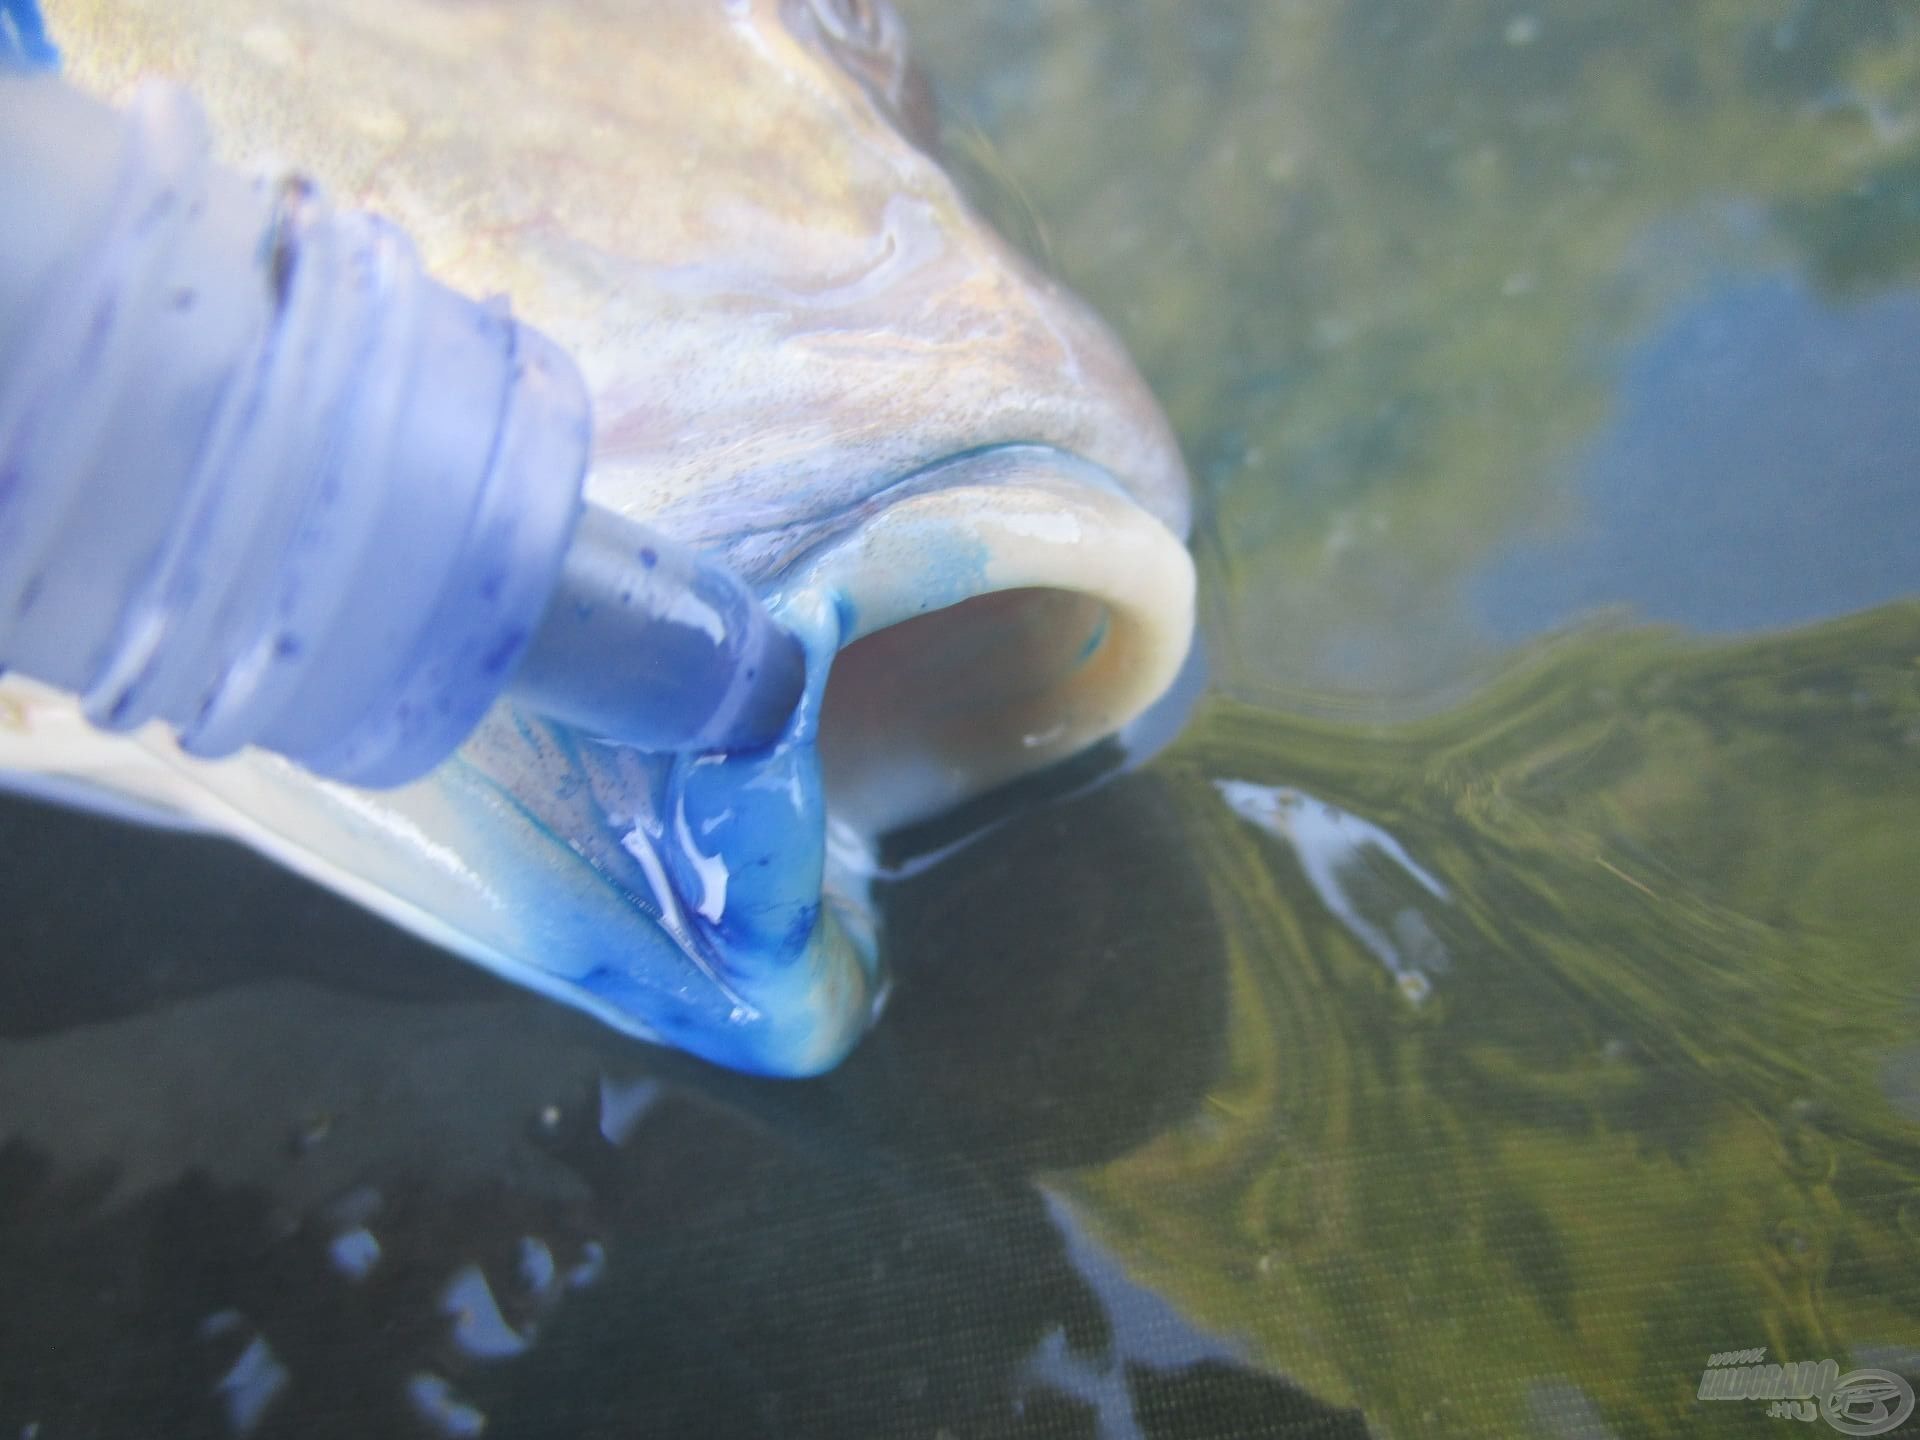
(1549, 374)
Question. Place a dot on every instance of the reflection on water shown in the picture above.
(1481, 323)
(1504, 996)
(1422, 284)
(1152, 1139)
(1340, 855)
(1656, 1098)
(1758, 471)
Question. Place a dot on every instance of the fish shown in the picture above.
(807, 354)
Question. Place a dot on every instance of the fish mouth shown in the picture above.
(1000, 613)
(981, 618)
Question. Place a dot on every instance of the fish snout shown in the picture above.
(1014, 608)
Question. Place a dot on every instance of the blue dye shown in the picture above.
(24, 43)
(703, 925)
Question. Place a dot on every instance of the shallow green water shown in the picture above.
(1550, 373)
(1501, 998)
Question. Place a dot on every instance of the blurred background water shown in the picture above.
(1503, 996)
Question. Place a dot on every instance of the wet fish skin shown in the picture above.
(805, 352)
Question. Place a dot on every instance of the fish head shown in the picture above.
(807, 353)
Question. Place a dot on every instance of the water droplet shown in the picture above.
(252, 1385)
(355, 1252)
(433, 1401)
(592, 1264)
(480, 1331)
(536, 1265)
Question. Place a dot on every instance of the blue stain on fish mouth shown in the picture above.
(24, 43)
(996, 545)
(727, 855)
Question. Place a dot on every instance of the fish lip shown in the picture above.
(1094, 624)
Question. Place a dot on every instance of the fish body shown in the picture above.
(806, 354)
